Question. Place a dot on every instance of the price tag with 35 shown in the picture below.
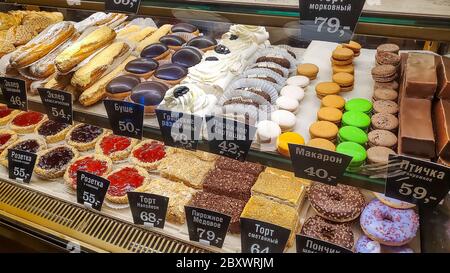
(14, 92)
(122, 6)
(21, 165)
(417, 181)
(91, 190)
(262, 237)
(205, 226)
(58, 104)
(148, 209)
(126, 118)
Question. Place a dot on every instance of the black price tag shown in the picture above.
(21, 165)
(207, 226)
(91, 190)
(329, 20)
(58, 105)
(230, 138)
(307, 244)
(179, 130)
(122, 6)
(317, 164)
(15, 93)
(148, 209)
(126, 118)
(417, 181)
(261, 237)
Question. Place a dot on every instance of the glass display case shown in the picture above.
(261, 59)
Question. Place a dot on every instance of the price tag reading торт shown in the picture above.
(122, 6)
(317, 164)
(207, 226)
(58, 105)
(230, 138)
(126, 118)
(329, 20)
(148, 209)
(91, 190)
(417, 181)
(307, 244)
(21, 165)
(261, 237)
(15, 93)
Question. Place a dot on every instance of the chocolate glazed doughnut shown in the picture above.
(340, 234)
(339, 203)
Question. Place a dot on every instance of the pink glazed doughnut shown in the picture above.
(367, 245)
(389, 226)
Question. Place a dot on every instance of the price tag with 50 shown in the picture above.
(125, 118)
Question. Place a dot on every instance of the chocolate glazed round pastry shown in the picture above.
(156, 52)
(340, 234)
(120, 87)
(204, 43)
(142, 67)
(185, 27)
(187, 56)
(170, 74)
(150, 94)
(341, 203)
(172, 41)
(52, 163)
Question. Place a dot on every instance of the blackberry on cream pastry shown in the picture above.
(189, 98)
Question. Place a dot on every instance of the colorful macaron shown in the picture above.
(300, 81)
(324, 129)
(285, 139)
(384, 121)
(327, 88)
(287, 103)
(360, 105)
(379, 155)
(392, 48)
(357, 119)
(352, 134)
(334, 101)
(354, 46)
(343, 68)
(322, 143)
(308, 70)
(382, 138)
(330, 114)
(386, 107)
(294, 92)
(342, 56)
(285, 119)
(385, 94)
(345, 81)
(384, 73)
(356, 151)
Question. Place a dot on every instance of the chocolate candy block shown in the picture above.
(229, 164)
(416, 135)
(420, 76)
(442, 126)
(221, 204)
(229, 183)
(443, 74)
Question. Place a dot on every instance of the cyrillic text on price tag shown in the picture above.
(307, 244)
(416, 181)
(122, 6)
(21, 165)
(261, 237)
(148, 209)
(14, 92)
(58, 105)
(126, 118)
(91, 190)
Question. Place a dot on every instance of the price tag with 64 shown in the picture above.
(262, 237)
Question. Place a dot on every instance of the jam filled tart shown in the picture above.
(148, 154)
(31, 145)
(115, 147)
(26, 122)
(126, 179)
(53, 131)
(99, 165)
(84, 136)
(6, 138)
(7, 114)
(53, 162)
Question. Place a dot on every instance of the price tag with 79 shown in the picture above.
(330, 25)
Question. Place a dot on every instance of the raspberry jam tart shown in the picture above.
(84, 136)
(124, 180)
(96, 164)
(26, 122)
(6, 138)
(115, 147)
(148, 153)
(53, 162)
(6, 114)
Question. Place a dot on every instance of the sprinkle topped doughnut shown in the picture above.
(394, 203)
(341, 203)
(367, 245)
(389, 226)
(340, 234)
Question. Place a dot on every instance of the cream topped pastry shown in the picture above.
(244, 39)
(189, 98)
(232, 60)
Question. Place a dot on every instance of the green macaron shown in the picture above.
(361, 105)
(356, 151)
(356, 119)
(353, 134)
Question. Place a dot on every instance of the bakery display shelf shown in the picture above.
(404, 26)
(80, 226)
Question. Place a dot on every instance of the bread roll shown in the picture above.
(80, 50)
(97, 66)
(154, 38)
(42, 44)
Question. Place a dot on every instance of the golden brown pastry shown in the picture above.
(98, 65)
(154, 38)
(44, 43)
(97, 19)
(97, 91)
(20, 35)
(37, 21)
(80, 50)
(59, 82)
(6, 47)
(7, 21)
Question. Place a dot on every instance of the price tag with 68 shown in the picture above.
(148, 209)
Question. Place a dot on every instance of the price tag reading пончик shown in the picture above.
(307, 244)
(14, 92)
(126, 118)
(21, 165)
(416, 181)
(58, 105)
(122, 6)
(329, 20)
(261, 237)
(317, 164)
(148, 209)
(91, 190)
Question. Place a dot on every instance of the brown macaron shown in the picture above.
(385, 94)
(392, 48)
(387, 58)
(384, 73)
(388, 85)
(382, 138)
(386, 107)
(379, 155)
(383, 121)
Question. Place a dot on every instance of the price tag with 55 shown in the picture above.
(21, 165)
(91, 190)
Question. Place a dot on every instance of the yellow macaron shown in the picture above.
(324, 129)
(329, 114)
(288, 138)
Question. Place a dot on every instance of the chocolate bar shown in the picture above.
(229, 164)
(443, 74)
(420, 76)
(442, 126)
(416, 135)
(229, 183)
(221, 204)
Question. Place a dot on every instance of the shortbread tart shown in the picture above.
(53, 131)
(31, 145)
(148, 154)
(6, 138)
(115, 147)
(84, 136)
(6, 114)
(52, 163)
(99, 165)
(123, 180)
(26, 122)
